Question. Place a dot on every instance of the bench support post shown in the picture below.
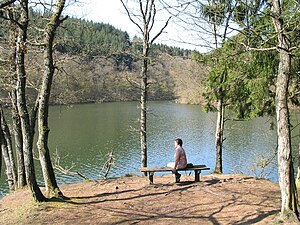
(197, 175)
(150, 175)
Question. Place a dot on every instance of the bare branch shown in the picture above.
(160, 32)
(258, 49)
(109, 163)
(133, 83)
(68, 172)
(58, 167)
(130, 17)
(141, 9)
(152, 18)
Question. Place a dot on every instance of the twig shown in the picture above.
(65, 171)
(108, 164)
(68, 172)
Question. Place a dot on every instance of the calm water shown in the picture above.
(83, 135)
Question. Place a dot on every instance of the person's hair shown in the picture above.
(179, 141)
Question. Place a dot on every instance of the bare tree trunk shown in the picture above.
(143, 104)
(21, 104)
(16, 123)
(289, 201)
(52, 189)
(8, 152)
(145, 23)
(1, 135)
(21, 176)
(219, 137)
(9, 170)
(220, 106)
(298, 168)
(144, 80)
(6, 155)
(285, 163)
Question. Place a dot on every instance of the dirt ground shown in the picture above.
(216, 199)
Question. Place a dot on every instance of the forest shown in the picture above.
(93, 57)
(48, 58)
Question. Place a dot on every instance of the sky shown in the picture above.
(113, 13)
(106, 11)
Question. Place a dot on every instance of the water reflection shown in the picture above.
(83, 135)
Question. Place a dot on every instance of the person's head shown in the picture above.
(178, 141)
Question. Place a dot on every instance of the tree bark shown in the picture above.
(8, 152)
(16, 123)
(52, 189)
(298, 169)
(289, 201)
(0, 147)
(219, 137)
(143, 105)
(27, 137)
(4, 149)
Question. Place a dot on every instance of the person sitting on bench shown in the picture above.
(180, 159)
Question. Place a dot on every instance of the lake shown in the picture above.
(83, 135)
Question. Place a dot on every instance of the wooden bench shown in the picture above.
(196, 168)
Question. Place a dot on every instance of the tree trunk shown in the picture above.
(4, 149)
(219, 137)
(16, 123)
(298, 168)
(9, 169)
(144, 88)
(21, 104)
(285, 163)
(8, 153)
(289, 201)
(147, 18)
(143, 119)
(52, 189)
(21, 176)
(220, 107)
(0, 148)
(43, 129)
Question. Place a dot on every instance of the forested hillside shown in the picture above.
(98, 39)
(97, 62)
(101, 79)
(100, 63)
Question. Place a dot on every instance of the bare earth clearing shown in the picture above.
(217, 199)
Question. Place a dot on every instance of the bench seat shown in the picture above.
(151, 170)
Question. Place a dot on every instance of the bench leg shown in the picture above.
(151, 174)
(197, 175)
